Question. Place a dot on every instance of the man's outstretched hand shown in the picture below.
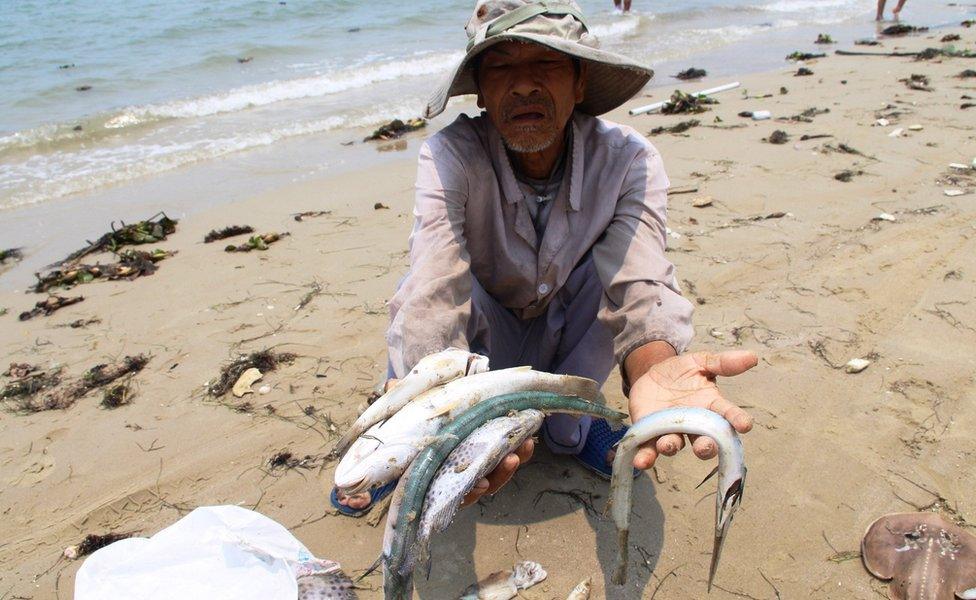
(688, 380)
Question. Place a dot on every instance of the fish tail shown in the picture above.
(620, 573)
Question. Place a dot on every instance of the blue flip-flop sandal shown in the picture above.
(599, 441)
(375, 495)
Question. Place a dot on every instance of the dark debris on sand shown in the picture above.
(311, 214)
(396, 128)
(131, 265)
(287, 460)
(778, 137)
(64, 396)
(30, 384)
(917, 82)
(226, 232)
(681, 127)
(691, 73)
(966, 74)
(257, 242)
(847, 175)
(150, 231)
(93, 542)
(262, 360)
(681, 103)
(805, 55)
(49, 306)
(808, 115)
(824, 38)
(803, 72)
(11, 255)
(867, 43)
(117, 395)
(902, 29)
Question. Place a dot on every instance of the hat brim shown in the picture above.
(611, 79)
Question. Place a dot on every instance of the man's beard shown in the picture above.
(532, 138)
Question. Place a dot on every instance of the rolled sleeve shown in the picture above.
(431, 308)
(642, 302)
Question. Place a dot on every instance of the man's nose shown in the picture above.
(525, 81)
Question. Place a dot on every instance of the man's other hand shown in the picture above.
(502, 473)
(688, 380)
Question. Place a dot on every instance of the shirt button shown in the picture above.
(543, 289)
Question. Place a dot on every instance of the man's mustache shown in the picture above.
(539, 101)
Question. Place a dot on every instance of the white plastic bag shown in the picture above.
(213, 553)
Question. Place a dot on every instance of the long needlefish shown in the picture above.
(505, 585)
(466, 465)
(383, 453)
(731, 473)
(408, 501)
(432, 371)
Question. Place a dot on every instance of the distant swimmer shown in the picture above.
(881, 5)
(626, 3)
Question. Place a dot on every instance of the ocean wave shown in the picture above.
(43, 177)
(235, 100)
(806, 5)
(619, 27)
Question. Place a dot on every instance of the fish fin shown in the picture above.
(707, 477)
(372, 567)
(447, 408)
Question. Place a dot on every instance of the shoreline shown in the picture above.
(785, 260)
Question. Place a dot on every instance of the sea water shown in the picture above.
(95, 93)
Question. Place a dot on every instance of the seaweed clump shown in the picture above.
(902, 29)
(117, 395)
(804, 55)
(11, 254)
(675, 129)
(395, 129)
(30, 384)
(917, 82)
(65, 396)
(131, 265)
(256, 242)
(150, 231)
(691, 73)
(262, 360)
(227, 232)
(824, 38)
(681, 103)
(49, 306)
(93, 542)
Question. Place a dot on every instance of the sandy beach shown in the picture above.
(779, 255)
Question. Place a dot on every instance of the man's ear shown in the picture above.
(581, 82)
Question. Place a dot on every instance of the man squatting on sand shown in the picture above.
(539, 237)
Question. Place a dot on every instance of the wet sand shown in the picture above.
(786, 260)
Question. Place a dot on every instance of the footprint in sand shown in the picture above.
(36, 470)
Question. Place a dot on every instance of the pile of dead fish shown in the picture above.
(439, 431)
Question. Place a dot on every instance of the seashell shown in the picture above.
(856, 365)
(884, 217)
(264, 389)
(915, 128)
(897, 132)
(245, 381)
(702, 201)
(953, 193)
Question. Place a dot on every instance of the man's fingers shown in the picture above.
(704, 447)
(670, 444)
(390, 384)
(645, 457)
(740, 419)
(524, 452)
(728, 364)
(476, 492)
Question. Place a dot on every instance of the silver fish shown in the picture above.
(505, 585)
(731, 473)
(432, 370)
(383, 453)
(466, 465)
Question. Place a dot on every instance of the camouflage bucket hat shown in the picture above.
(611, 79)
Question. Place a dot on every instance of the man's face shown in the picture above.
(529, 93)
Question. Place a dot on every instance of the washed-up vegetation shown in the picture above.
(131, 265)
(262, 360)
(396, 128)
(681, 103)
(150, 231)
(49, 306)
(226, 232)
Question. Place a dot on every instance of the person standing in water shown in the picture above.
(879, 17)
(626, 3)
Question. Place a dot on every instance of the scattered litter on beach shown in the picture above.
(691, 73)
(49, 306)
(154, 229)
(262, 360)
(227, 232)
(898, 132)
(257, 242)
(311, 214)
(884, 217)
(797, 56)
(286, 460)
(847, 175)
(380, 206)
(807, 115)
(902, 29)
(131, 265)
(396, 128)
(93, 542)
(953, 193)
(951, 37)
(681, 103)
(866, 42)
(824, 38)
(778, 137)
(917, 82)
(243, 385)
(681, 127)
(915, 128)
(815, 136)
(856, 365)
(803, 72)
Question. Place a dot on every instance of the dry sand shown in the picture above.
(808, 290)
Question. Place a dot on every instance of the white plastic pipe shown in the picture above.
(657, 105)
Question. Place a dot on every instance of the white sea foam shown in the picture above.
(619, 27)
(43, 177)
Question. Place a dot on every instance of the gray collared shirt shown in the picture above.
(471, 218)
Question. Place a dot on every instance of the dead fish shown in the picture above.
(505, 585)
(924, 556)
(582, 590)
(326, 586)
(466, 465)
(432, 371)
(385, 451)
(731, 473)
